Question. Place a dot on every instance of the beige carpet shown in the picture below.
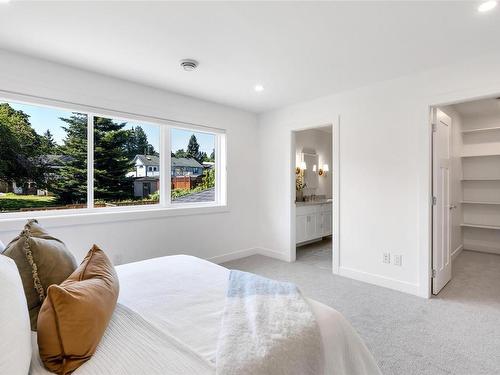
(455, 333)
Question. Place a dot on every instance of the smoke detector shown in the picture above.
(189, 64)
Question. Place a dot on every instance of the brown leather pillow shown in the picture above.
(75, 314)
(42, 260)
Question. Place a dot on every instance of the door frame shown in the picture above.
(334, 175)
(425, 271)
(436, 113)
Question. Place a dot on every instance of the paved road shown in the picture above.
(203, 196)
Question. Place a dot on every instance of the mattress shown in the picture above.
(184, 296)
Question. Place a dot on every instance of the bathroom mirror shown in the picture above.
(311, 172)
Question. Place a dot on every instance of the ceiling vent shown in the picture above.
(189, 65)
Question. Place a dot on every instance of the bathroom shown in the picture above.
(313, 196)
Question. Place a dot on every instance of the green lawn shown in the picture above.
(14, 202)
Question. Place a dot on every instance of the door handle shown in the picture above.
(453, 206)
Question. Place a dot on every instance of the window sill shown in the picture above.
(15, 221)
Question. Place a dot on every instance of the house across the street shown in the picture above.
(185, 173)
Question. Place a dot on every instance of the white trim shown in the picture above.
(379, 280)
(96, 216)
(449, 98)
(90, 160)
(274, 254)
(456, 252)
(293, 197)
(165, 126)
(249, 252)
(165, 160)
(6, 95)
(335, 173)
(335, 195)
(233, 256)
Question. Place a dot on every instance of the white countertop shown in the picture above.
(312, 203)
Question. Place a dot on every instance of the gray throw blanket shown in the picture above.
(267, 328)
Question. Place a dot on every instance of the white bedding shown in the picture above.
(183, 297)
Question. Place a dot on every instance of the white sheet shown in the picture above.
(184, 296)
(133, 346)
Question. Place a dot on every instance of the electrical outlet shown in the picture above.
(398, 260)
(386, 258)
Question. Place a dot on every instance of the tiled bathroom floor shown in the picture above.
(317, 254)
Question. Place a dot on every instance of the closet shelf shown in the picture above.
(481, 130)
(481, 226)
(481, 179)
(479, 155)
(472, 202)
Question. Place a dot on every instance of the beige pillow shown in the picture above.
(42, 260)
(75, 314)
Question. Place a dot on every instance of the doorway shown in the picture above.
(465, 197)
(313, 162)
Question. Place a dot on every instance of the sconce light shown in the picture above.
(322, 171)
(302, 167)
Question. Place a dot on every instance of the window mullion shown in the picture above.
(90, 161)
(165, 160)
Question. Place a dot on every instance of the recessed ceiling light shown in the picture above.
(487, 6)
(4, 1)
(189, 64)
(258, 88)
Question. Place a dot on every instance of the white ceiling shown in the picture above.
(297, 50)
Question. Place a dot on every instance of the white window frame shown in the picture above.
(164, 207)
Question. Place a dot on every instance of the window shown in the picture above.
(119, 148)
(43, 161)
(193, 166)
(52, 159)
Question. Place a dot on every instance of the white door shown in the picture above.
(441, 257)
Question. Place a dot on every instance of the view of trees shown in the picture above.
(20, 146)
(32, 161)
(193, 151)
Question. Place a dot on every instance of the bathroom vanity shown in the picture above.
(313, 220)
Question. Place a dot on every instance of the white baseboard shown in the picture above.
(248, 252)
(233, 256)
(273, 254)
(379, 280)
(370, 278)
(482, 248)
(457, 252)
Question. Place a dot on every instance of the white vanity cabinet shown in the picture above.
(313, 221)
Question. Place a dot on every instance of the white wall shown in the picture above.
(320, 143)
(384, 168)
(456, 217)
(147, 236)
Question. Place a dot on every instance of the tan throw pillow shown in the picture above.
(42, 260)
(75, 314)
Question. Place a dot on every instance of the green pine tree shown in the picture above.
(111, 161)
(193, 149)
(70, 184)
(48, 144)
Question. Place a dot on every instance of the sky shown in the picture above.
(43, 118)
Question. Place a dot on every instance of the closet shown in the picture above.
(479, 125)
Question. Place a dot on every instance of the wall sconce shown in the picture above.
(322, 171)
(302, 167)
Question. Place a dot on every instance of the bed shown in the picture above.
(168, 318)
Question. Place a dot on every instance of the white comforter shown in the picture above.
(183, 297)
